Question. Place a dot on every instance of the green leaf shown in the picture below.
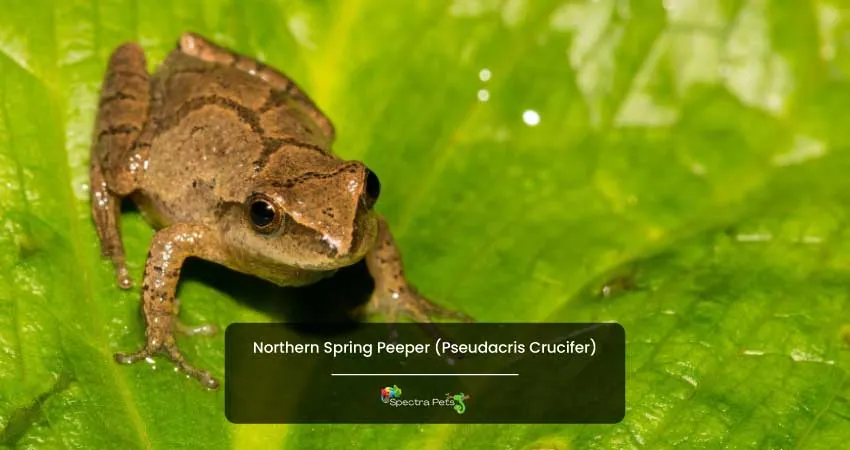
(686, 178)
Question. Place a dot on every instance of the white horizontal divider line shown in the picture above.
(424, 374)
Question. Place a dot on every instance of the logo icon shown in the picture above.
(390, 392)
(460, 406)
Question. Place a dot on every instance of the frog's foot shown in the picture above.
(406, 301)
(409, 303)
(168, 346)
(161, 341)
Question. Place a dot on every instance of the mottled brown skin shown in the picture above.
(202, 144)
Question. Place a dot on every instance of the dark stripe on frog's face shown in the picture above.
(310, 176)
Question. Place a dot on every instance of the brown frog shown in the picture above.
(230, 161)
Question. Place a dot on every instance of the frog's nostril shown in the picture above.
(373, 186)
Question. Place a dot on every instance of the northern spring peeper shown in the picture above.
(230, 161)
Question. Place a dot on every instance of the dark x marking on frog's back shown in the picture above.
(246, 115)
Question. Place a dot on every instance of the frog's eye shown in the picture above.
(373, 188)
(263, 213)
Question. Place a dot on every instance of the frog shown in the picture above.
(230, 161)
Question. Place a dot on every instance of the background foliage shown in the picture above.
(690, 162)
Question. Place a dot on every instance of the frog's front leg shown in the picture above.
(169, 249)
(394, 295)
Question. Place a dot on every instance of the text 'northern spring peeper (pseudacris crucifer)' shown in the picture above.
(230, 161)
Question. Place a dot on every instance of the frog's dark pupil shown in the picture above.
(262, 213)
(373, 185)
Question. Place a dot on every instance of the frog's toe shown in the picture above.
(196, 330)
(431, 309)
(208, 381)
(122, 277)
(188, 330)
(204, 377)
(132, 357)
(147, 352)
(422, 309)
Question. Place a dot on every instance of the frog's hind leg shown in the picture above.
(393, 294)
(199, 47)
(121, 114)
